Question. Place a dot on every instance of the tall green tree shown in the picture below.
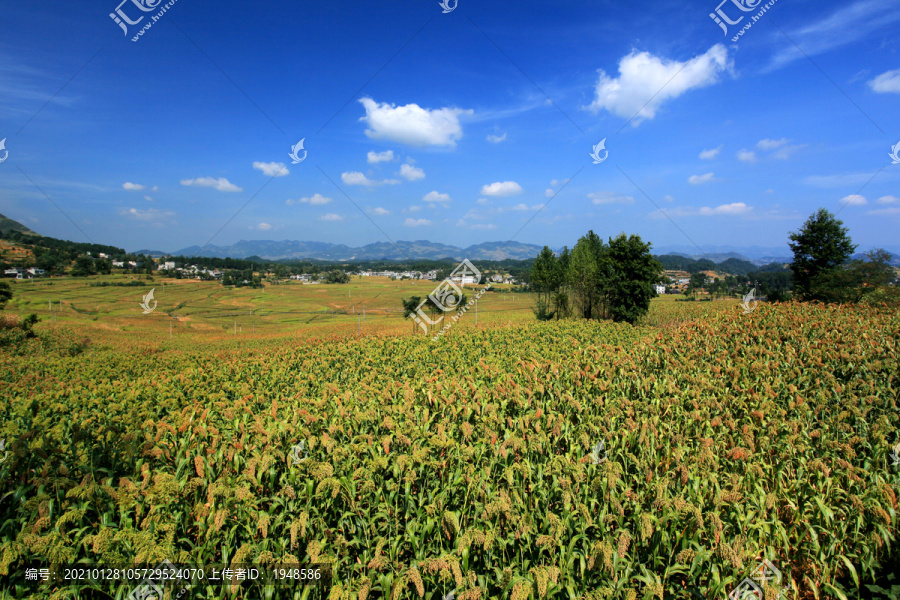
(631, 274)
(820, 248)
(586, 274)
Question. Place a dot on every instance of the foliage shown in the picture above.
(820, 248)
(336, 276)
(466, 464)
(5, 294)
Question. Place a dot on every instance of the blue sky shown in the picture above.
(461, 127)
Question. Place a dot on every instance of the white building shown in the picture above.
(660, 289)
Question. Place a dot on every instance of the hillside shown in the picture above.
(7, 224)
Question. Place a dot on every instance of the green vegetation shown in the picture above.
(603, 282)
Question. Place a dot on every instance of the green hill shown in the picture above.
(7, 224)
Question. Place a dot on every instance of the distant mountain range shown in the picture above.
(423, 249)
(402, 250)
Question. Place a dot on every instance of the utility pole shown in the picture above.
(476, 312)
(364, 314)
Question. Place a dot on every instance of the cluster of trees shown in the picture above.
(823, 270)
(596, 280)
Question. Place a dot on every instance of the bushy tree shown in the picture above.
(84, 266)
(631, 274)
(820, 248)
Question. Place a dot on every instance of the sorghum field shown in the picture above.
(469, 465)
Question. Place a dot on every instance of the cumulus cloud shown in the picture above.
(380, 211)
(645, 82)
(496, 139)
(148, 198)
(854, 200)
(437, 198)
(502, 188)
(357, 178)
(262, 227)
(133, 187)
(700, 179)
(331, 217)
(610, 198)
(888, 200)
(314, 200)
(413, 125)
(710, 154)
(271, 169)
(746, 155)
(411, 173)
(378, 157)
(886, 83)
(221, 184)
(416, 222)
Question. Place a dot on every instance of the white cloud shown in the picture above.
(735, 208)
(262, 227)
(496, 139)
(413, 208)
(886, 83)
(504, 188)
(746, 155)
(221, 184)
(785, 153)
(416, 222)
(314, 200)
(890, 211)
(548, 193)
(850, 23)
(437, 198)
(148, 198)
(610, 198)
(377, 157)
(482, 226)
(731, 210)
(380, 212)
(155, 188)
(645, 82)
(699, 179)
(710, 154)
(483, 201)
(331, 217)
(271, 169)
(411, 173)
(357, 178)
(888, 200)
(854, 200)
(412, 124)
(771, 144)
(132, 187)
(151, 214)
(557, 182)
(668, 198)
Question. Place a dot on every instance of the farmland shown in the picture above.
(470, 464)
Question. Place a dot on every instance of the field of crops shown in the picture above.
(469, 465)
